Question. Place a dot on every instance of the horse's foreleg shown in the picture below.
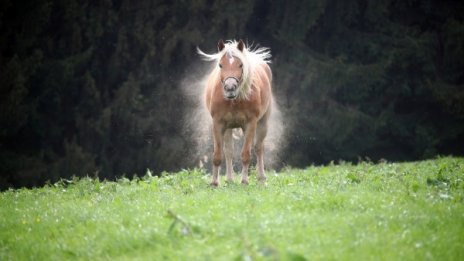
(228, 153)
(261, 132)
(217, 154)
(250, 131)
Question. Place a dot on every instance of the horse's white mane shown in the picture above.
(251, 58)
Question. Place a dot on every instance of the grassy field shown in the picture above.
(407, 211)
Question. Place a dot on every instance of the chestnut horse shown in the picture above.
(238, 95)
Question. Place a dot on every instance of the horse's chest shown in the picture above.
(234, 114)
(234, 119)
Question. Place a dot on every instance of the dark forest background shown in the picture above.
(93, 87)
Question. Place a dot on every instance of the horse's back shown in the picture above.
(265, 83)
(264, 77)
(268, 71)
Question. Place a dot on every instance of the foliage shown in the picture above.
(388, 211)
(93, 87)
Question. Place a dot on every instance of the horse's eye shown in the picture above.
(241, 65)
(220, 65)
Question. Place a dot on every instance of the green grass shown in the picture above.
(407, 211)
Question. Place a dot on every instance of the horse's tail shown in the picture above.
(237, 133)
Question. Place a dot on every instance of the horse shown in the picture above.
(238, 94)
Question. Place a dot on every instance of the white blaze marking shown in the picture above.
(231, 60)
(231, 57)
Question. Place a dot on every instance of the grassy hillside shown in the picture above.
(407, 211)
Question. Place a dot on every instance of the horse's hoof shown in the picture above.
(214, 184)
(244, 182)
(262, 180)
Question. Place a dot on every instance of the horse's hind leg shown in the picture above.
(228, 153)
(261, 132)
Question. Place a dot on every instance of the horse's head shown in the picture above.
(231, 71)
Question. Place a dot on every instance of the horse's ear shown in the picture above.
(241, 45)
(220, 45)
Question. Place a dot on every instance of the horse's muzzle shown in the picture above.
(230, 86)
